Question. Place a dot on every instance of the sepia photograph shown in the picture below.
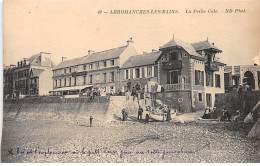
(109, 81)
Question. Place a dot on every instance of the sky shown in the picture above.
(69, 28)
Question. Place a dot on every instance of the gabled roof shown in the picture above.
(185, 45)
(142, 60)
(36, 60)
(107, 54)
(205, 45)
(70, 62)
(35, 72)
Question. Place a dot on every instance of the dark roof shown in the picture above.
(185, 45)
(205, 45)
(107, 54)
(142, 60)
(70, 62)
(32, 58)
(36, 72)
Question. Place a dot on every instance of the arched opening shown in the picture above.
(249, 79)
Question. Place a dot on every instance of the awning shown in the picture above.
(73, 88)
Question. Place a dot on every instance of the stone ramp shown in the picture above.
(117, 103)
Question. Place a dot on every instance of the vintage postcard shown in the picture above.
(148, 81)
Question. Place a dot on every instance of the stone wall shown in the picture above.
(173, 99)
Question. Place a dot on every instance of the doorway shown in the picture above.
(250, 79)
(208, 99)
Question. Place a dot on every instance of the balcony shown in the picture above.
(172, 65)
(211, 67)
(175, 87)
(82, 73)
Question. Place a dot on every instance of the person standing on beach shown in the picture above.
(140, 113)
(90, 121)
(123, 114)
(168, 114)
(128, 85)
(134, 93)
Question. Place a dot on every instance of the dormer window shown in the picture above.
(105, 63)
(97, 64)
(65, 71)
(84, 67)
(90, 66)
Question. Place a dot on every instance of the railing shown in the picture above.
(174, 87)
(211, 67)
(172, 65)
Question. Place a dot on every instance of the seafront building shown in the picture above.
(187, 74)
(32, 76)
(241, 75)
(97, 70)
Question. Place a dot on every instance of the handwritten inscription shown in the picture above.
(95, 152)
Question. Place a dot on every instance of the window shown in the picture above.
(173, 56)
(97, 64)
(112, 62)
(126, 74)
(199, 77)
(200, 96)
(84, 67)
(105, 63)
(75, 68)
(60, 82)
(97, 77)
(112, 75)
(70, 70)
(65, 82)
(197, 72)
(75, 80)
(69, 81)
(65, 70)
(209, 79)
(149, 71)
(137, 73)
(104, 77)
(202, 78)
(217, 80)
(56, 83)
(84, 80)
(90, 79)
(90, 66)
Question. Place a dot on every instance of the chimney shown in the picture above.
(90, 52)
(18, 64)
(21, 63)
(63, 59)
(24, 61)
(129, 42)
